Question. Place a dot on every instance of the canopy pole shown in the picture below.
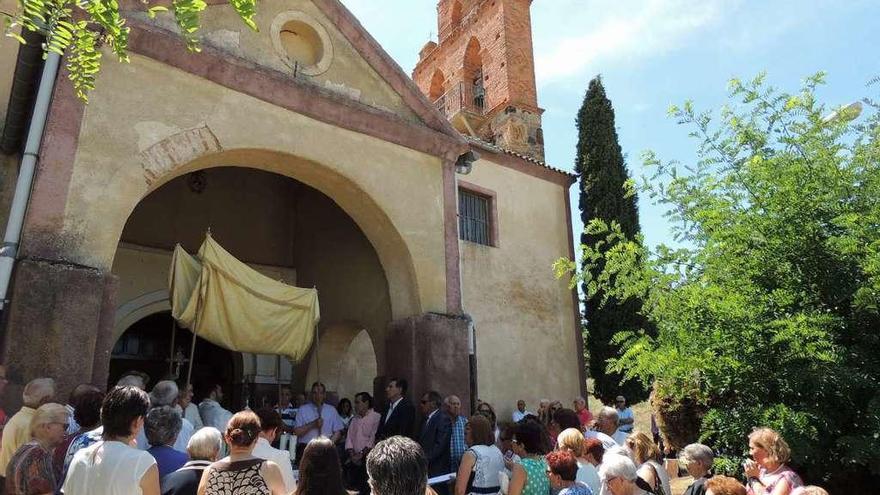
(192, 348)
(278, 379)
(317, 353)
(171, 352)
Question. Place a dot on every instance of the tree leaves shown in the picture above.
(79, 28)
(768, 314)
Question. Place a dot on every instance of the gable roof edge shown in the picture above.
(386, 67)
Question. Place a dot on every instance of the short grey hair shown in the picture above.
(610, 413)
(397, 466)
(164, 394)
(162, 425)
(204, 444)
(617, 466)
(47, 414)
(38, 392)
(619, 450)
(580, 400)
(697, 452)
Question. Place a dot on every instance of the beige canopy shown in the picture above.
(230, 304)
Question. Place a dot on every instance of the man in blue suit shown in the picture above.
(434, 438)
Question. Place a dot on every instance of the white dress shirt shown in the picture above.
(265, 451)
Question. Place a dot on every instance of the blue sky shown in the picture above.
(653, 53)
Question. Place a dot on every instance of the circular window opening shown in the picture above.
(301, 43)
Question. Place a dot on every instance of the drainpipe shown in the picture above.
(472, 359)
(9, 249)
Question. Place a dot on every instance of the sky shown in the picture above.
(654, 53)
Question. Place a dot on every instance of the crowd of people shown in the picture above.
(128, 441)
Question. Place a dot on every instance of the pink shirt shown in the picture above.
(362, 431)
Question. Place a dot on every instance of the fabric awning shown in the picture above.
(230, 304)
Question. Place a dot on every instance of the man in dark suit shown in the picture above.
(399, 417)
(434, 438)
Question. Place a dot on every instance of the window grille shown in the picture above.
(473, 218)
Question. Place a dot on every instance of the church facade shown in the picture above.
(420, 208)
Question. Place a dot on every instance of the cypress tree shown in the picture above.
(602, 172)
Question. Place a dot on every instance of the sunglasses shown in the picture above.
(65, 425)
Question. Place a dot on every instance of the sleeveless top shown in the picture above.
(236, 478)
(770, 480)
(488, 466)
(536, 477)
(107, 468)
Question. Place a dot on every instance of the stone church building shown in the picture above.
(418, 206)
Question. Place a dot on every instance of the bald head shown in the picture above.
(38, 392)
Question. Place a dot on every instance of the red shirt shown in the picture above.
(586, 417)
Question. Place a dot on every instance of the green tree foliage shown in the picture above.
(78, 28)
(769, 315)
(604, 196)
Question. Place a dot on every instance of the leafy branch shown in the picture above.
(77, 29)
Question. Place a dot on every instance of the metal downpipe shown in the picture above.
(11, 239)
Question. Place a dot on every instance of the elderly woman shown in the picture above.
(572, 440)
(530, 475)
(561, 470)
(241, 472)
(482, 462)
(766, 472)
(31, 470)
(645, 454)
(162, 426)
(697, 459)
(113, 467)
(203, 448)
(165, 393)
(618, 475)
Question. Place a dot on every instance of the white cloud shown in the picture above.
(631, 31)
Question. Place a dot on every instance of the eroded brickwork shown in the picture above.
(481, 72)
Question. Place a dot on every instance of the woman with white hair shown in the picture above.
(31, 470)
(203, 448)
(618, 475)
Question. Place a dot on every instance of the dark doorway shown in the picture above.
(146, 346)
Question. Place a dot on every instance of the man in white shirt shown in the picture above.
(213, 414)
(624, 415)
(606, 422)
(315, 419)
(520, 411)
(271, 423)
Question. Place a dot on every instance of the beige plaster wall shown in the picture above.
(8, 54)
(394, 194)
(526, 347)
(348, 74)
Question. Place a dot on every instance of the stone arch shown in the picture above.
(197, 149)
(437, 85)
(472, 56)
(345, 359)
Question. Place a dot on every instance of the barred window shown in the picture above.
(473, 218)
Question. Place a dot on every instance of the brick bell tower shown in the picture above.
(482, 72)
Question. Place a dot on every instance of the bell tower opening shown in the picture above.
(485, 49)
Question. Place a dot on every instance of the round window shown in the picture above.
(302, 42)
